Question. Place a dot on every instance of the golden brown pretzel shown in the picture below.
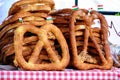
(9, 35)
(62, 15)
(15, 18)
(7, 45)
(79, 58)
(34, 20)
(104, 31)
(17, 5)
(43, 42)
(23, 15)
(10, 51)
(8, 48)
(35, 8)
(62, 11)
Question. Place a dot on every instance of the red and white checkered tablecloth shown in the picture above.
(8, 72)
(68, 74)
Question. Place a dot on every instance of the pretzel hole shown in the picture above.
(55, 45)
(43, 57)
(96, 23)
(91, 56)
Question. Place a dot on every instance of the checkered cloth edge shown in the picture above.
(113, 74)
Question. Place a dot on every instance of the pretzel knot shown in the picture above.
(93, 51)
(58, 59)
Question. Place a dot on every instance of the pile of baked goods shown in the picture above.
(31, 41)
(88, 46)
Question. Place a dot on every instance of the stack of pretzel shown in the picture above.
(61, 20)
(29, 41)
(89, 47)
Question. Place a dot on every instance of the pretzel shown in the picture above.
(61, 11)
(40, 14)
(37, 21)
(17, 5)
(22, 15)
(35, 8)
(9, 33)
(32, 18)
(15, 18)
(7, 44)
(61, 20)
(43, 42)
(8, 49)
(79, 58)
(61, 16)
(65, 12)
(104, 30)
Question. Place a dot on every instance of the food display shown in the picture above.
(35, 36)
(29, 40)
(44, 55)
(90, 49)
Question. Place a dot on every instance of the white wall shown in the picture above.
(60, 4)
(108, 5)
